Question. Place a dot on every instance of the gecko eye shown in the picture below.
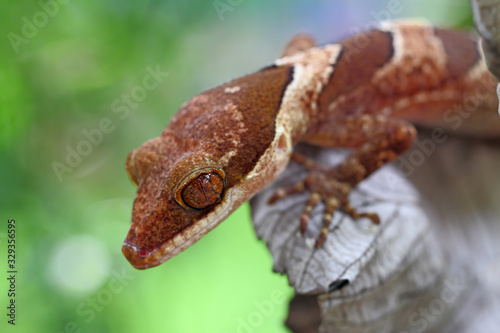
(203, 191)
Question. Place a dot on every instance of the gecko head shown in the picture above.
(219, 149)
(180, 197)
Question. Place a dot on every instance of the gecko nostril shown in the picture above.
(143, 253)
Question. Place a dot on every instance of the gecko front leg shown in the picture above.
(377, 139)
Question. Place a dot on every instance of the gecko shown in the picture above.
(366, 92)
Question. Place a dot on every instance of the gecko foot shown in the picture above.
(325, 186)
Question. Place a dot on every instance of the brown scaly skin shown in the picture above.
(228, 143)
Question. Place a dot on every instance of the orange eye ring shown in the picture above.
(203, 190)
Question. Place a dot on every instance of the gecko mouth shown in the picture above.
(142, 259)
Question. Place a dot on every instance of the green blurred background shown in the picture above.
(60, 74)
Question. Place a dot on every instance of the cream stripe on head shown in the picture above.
(311, 71)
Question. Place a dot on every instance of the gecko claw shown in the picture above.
(283, 193)
(352, 212)
(320, 241)
(304, 220)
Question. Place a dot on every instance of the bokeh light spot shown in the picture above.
(79, 264)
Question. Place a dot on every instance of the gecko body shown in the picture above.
(365, 92)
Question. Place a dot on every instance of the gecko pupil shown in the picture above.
(203, 191)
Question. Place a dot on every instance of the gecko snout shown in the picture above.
(139, 258)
